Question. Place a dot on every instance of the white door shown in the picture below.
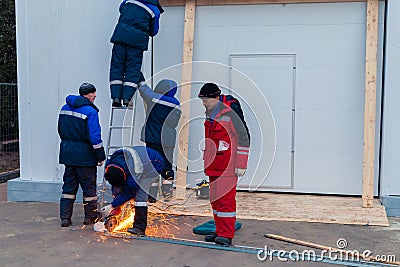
(265, 85)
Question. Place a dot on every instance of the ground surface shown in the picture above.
(30, 235)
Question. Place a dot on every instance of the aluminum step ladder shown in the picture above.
(121, 133)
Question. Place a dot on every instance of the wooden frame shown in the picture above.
(183, 143)
(250, 2)
(370, 103)
(370, 84)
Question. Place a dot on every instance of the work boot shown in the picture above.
(211, 238)
(139, 222)
(126, 102)
(65, 222)
(66, 208)
(91, 214)
(220, 240)
(92, 220)
(116, 102)
(136, 231)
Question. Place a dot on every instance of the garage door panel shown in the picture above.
(312, 43)
(329, 172)
(329, 131)
(325, 89)
(264, 177)
(336, 88)
(326, 13)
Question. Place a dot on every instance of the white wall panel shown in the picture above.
(390, 172)
(64, 43)
(38, 90)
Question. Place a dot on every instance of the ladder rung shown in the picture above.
(121, 127)
(113, 147)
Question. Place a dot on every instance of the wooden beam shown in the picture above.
(186, 87)
(370, 104)
(250, 2)
(346, 253)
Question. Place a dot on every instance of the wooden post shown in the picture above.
(185, 98)
(370, 104)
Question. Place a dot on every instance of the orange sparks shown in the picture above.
(159, 224)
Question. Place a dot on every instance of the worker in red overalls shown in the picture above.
(227, 142)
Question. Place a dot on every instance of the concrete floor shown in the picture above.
(30, 235)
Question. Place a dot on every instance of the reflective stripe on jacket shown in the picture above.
(152, 162)
(162, 116)
(137, 21)
(80, 133)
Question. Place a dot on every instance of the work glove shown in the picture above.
(240, 172)
(106, 210)
(242, 156)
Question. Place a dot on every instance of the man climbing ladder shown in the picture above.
(138, 20)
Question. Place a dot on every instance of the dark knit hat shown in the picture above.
(86, 88)
(115, 175)
(209, 90)
(164, 86)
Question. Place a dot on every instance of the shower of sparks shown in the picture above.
(159, 224)
(125, 223)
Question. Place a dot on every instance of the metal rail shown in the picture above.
(245, 249)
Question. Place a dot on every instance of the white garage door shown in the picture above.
(318, 111)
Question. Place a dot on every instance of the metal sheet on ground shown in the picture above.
(244, 249)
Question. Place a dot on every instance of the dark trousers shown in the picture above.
(86, 178)
(125, 71)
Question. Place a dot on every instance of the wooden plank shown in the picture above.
(285, 207)
(370, 103)
(348, 253)
(183, 142)
(250, 2)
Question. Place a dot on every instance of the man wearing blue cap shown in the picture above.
(81, 150)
